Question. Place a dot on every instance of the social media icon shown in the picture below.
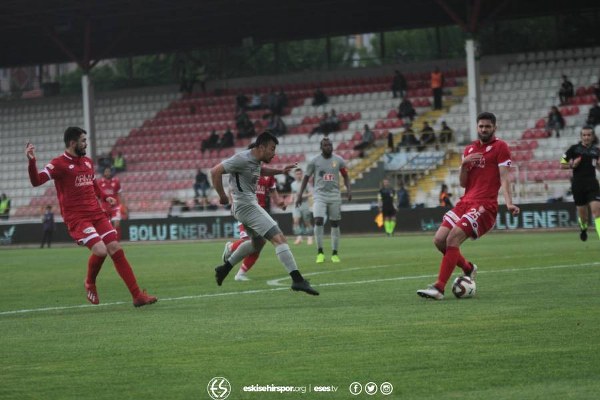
(371, 388)
(386, 388)
(355, 388)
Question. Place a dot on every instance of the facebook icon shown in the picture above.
(355, 388)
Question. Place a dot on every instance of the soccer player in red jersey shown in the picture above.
(110, 186)
(266, 185)
(485, 170)
(78, 193)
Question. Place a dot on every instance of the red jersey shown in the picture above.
(483, 180)
(76, 187)
(264, 186)
(110, 188)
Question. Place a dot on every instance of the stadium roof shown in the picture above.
(49, 31)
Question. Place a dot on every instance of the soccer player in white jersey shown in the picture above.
(244, 169)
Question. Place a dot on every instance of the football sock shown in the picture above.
(296, 276)
(319, 229)
(392, 226)
(297, 230)
(126, 273)
(582, 225)
(597, 225)
(286, 257)
(447, 266)
(94, 264)
(236, 244)
(245, 248)
(249, 261)
(335, 237)
(386, 227)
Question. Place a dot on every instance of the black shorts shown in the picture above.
(388, 211)
(585, 191)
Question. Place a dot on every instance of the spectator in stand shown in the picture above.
(399, 85)
(241, 102)
(282, 101)
(322, 126)
(403, 196)
(273, 102)
(319, 98)
(593, 117)
(256, 102)
(445, 197)
(555, 122)
(47, 227)
(105, 161)
(244, 126)
(119, 163)
(406, 111)
(368, 139)
(566, 91)
(437, 86)
(4, 206)
(226, 140)
(446, 133)
(333, 122)
(211, 142)
(409, 139)
(597, 90)
(427, 136)
(201, 184)
(390, 141)
(276, 125)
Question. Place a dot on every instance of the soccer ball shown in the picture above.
(464, 287)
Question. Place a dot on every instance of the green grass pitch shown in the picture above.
(532, 331)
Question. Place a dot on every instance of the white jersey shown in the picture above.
(244, 172)
(326, 173)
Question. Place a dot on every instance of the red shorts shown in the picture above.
(88, 232)
(474, 218)
(115, 214)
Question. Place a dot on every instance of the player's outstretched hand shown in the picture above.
(30, 151)
(290, 167)
(224, 200)
(513, 209)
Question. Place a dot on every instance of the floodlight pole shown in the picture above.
(474, 85)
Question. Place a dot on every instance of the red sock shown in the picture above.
(249, 261)
(447, 267)
(462, 263)
(94, 265)
(237, 244)
(126, 273)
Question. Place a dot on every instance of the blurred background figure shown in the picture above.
(47, 226)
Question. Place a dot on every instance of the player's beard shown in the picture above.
(487, 138)
(80, 151)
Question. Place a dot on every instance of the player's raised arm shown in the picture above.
(36, 178)
(216, 174)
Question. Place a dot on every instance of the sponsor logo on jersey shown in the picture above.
(87, 164)
(50, 166)
(89, 230)
(84, 180)
(71, 166)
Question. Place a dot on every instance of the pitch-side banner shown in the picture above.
(533, 216)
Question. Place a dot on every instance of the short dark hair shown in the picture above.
(264, 138)
(72, 133)
(487, 115)
(587, 127)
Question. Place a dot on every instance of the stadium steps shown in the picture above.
(434, 177)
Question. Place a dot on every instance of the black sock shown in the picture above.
(334, 253)
(320, 250)
(296, 276)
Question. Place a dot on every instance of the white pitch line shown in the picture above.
(276, 282)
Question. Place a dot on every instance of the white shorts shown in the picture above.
(256, 221)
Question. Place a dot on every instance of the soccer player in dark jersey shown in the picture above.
(582, 158)
(485, 170)
(78, 195)
(386, 199)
